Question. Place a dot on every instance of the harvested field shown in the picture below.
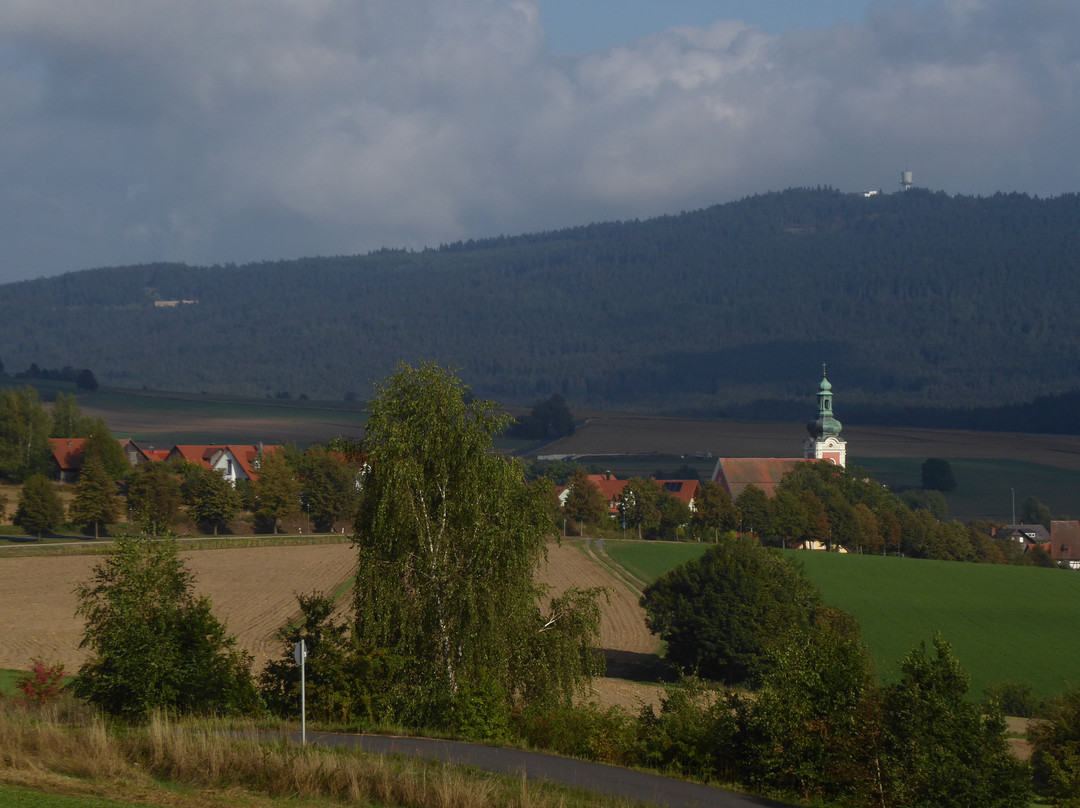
(253, 592)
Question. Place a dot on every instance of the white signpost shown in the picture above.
(300, 654)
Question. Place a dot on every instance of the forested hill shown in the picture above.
(913, 298)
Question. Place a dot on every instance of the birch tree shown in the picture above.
(449, 538)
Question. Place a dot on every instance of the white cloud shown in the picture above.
(207, 132)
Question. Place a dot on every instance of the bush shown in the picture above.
(1016, 699)
(585, 731)
(42, 685)
(153, 644)
(693, 735)
(1055, 757)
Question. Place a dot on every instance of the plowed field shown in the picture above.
(253, 592)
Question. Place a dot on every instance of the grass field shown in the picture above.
(7, 682)
(982, 489)
(12, 797)
(1004, 623)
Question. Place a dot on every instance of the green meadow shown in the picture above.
(983, 486)
(1004, 623)
(14, 797)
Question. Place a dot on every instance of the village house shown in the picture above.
(66, 458)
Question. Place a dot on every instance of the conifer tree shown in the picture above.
(95, 496)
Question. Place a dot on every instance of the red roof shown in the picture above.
(610, 487)
(67, 452)
(205, 454)
(736, 473)
(684, 490)
(1065, 541)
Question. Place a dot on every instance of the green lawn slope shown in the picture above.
(1004, 623)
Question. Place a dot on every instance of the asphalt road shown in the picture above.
(596, 777)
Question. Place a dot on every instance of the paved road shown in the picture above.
(611, 780)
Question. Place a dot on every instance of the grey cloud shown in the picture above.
(213, 132)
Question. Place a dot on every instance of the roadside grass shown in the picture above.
(982, 486)
(15, 797)
(67, 749)
(1004, 623)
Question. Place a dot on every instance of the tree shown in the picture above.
(639, 505)
(937, 749)
(338, 680)
(86, 380)
(327, 488)
(674, 515)
(68, 420)
(754, 513)
(550, 418)
(212, 501)
(24, 434)
(714, 510)
(1055, 757)
(1033, 512)
(39, 509)
(277, 490)
(720, 614)
(100, 443)
(449, 537)
(937, 475)
(154, 497)
(585, 503)
(95, 496)
(803, 731)
(154, 645)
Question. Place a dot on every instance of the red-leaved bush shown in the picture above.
(41, 685)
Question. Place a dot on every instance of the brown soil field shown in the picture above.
(252, 589)
(253, 592)
(615, 434)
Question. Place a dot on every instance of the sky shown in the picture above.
(213, 133)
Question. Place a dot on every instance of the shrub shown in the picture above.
(41, 685)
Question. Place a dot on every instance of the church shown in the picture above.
(822, 443)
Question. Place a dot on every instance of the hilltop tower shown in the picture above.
(824, 442)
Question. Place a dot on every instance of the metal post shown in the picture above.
(300, 655)
(303, 697)
(1013, 492)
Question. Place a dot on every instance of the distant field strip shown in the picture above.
(1004, 623)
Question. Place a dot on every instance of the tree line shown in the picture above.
(817, 502)
(947, 303)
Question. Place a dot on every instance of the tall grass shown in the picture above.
(63, 746)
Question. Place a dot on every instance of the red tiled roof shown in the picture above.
(196, 453)
(684, 490)
(610, 487)
(736, 473)
(1065, 541)
(204, 454)
(67, 452)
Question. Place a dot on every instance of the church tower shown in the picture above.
(825, 442)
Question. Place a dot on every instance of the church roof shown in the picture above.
(736, 473)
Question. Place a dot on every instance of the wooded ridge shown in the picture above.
(915, 299)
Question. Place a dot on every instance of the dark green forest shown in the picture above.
(915, 300)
